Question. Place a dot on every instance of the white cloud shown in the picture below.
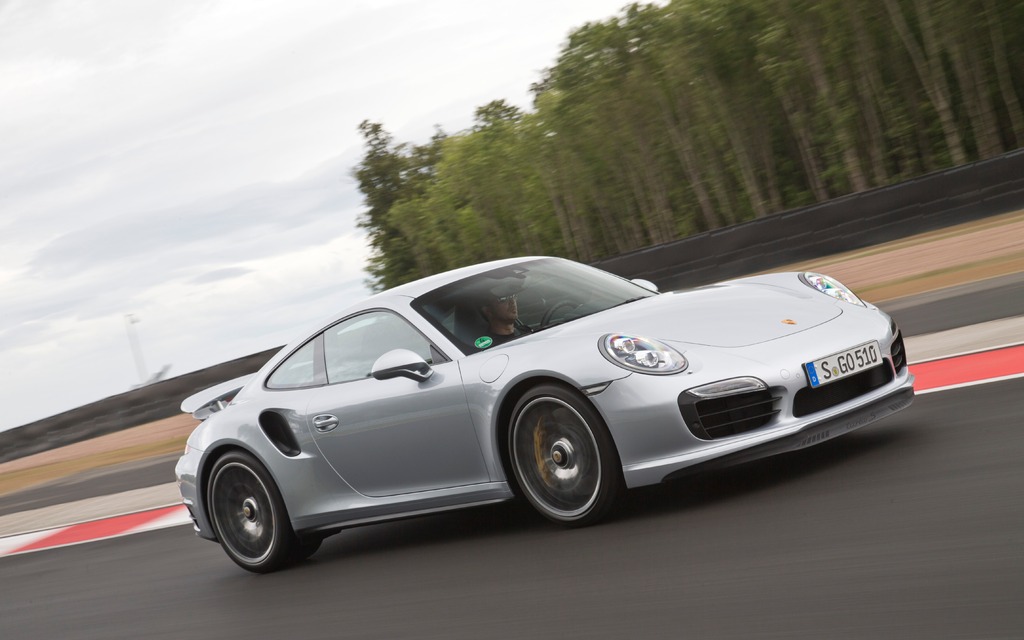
(188, 162)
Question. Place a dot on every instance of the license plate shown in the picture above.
(845, 363)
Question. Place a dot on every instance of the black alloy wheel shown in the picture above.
(249, 516)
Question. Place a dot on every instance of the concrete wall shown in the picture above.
(129, 409)
(937, 200)
(860, 220)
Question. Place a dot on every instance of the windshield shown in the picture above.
(506, 303)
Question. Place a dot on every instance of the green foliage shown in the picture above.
(668, 120)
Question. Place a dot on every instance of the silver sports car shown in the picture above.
(532, 377)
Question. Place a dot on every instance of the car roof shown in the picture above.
(423, 285)
(406, 292)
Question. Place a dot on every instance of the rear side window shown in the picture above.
(298, 370)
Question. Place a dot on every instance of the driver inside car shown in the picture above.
(501, 310)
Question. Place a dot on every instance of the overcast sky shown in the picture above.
(189, 162)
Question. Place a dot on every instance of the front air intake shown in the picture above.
(713, 418)
(899, 353)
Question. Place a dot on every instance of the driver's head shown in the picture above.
(500, 310)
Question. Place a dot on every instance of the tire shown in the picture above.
(248, 514)
(563, 457)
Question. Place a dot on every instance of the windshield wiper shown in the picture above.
(628, 301)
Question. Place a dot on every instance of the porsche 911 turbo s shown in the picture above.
(533, 377)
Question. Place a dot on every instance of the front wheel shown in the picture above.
(248, 514)
(563, 457)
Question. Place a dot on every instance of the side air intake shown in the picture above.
(279, 432)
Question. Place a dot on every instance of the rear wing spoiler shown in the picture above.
(207, 402)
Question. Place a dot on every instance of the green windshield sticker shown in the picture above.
(483, 342)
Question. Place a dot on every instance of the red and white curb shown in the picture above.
(965, 370)
(941, 374)
(90, 531)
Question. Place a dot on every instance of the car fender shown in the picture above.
(491, 397)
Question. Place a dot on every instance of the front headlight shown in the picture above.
(642, 354)
(830, 287)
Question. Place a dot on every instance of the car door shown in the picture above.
(388, 437)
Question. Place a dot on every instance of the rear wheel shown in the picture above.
(248, 514)
(563, 457)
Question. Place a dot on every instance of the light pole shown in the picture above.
(133, 340)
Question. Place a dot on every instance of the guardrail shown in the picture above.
(933, 201)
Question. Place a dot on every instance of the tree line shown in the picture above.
(664, 121)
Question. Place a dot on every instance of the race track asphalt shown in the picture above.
(911, 528)
(959, 306)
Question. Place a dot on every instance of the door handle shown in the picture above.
(325, 422)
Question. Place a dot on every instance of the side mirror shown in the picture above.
(646, 284)
(401, 363)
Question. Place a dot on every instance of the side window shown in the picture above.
(352, 346)
(296, 371)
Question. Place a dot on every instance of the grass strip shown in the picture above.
(946, 277)
(26, 478)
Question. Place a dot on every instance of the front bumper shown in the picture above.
(775, 441)
(812, 435)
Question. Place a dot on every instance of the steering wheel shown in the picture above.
(550, 313)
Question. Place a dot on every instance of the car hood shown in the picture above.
(724, 315)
